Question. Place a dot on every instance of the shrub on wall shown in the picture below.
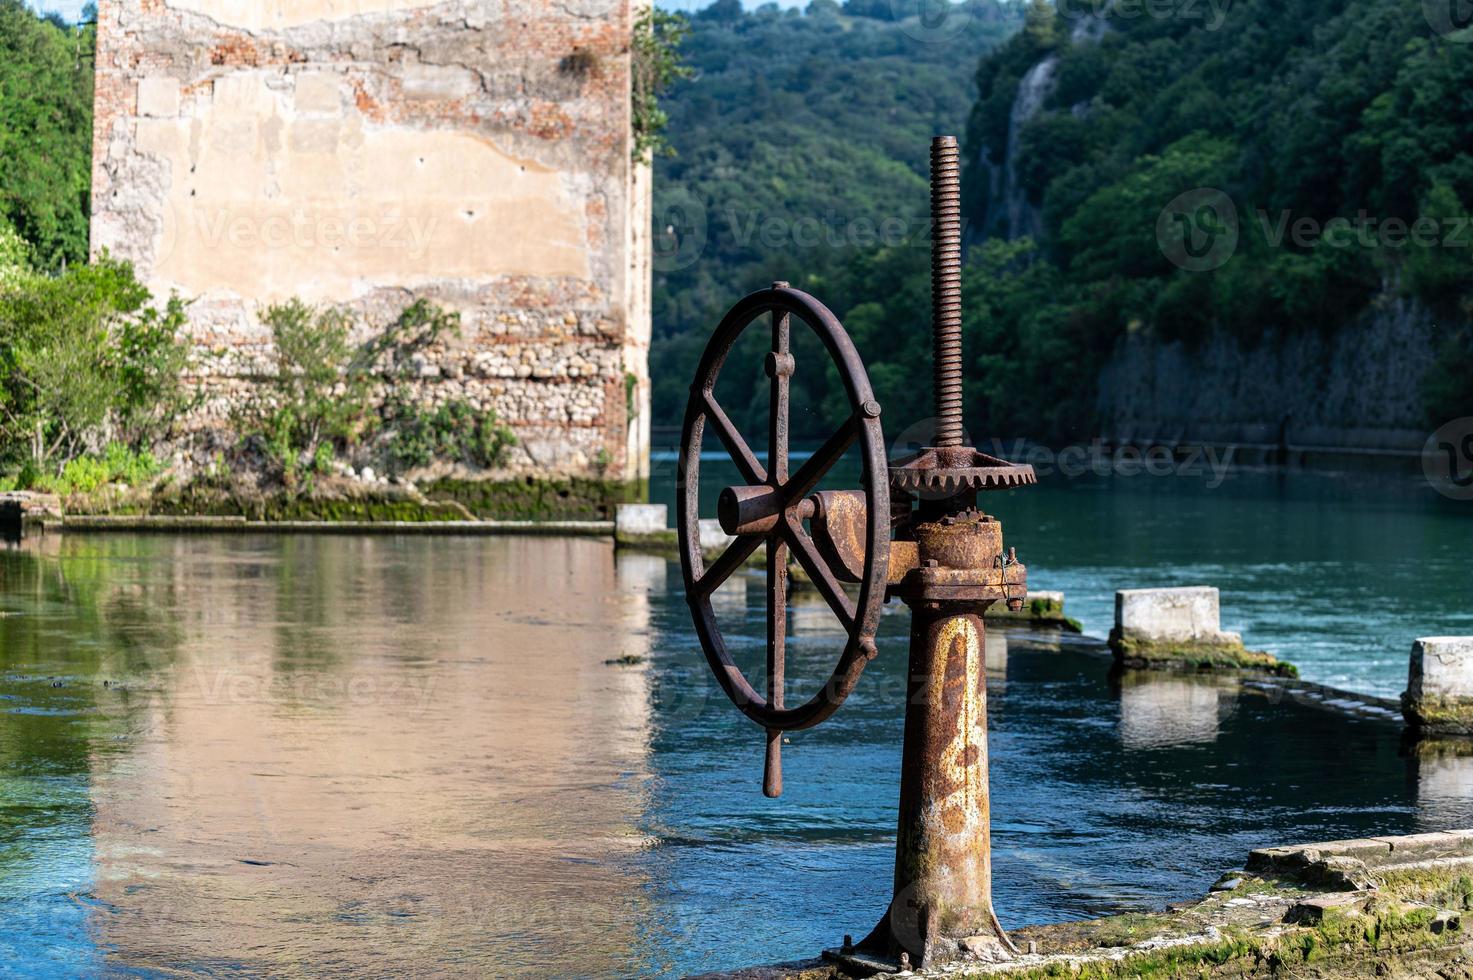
(331, 398)
(316, 400)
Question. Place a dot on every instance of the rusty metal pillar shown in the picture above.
(942, 906)
(943, 849)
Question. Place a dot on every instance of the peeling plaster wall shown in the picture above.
(368, 152)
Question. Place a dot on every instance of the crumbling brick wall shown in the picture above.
(364, 153)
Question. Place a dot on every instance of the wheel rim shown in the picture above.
(859, 619)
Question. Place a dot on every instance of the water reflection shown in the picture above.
(1159, 710)
(356, 756)
(1442, 770)
(506, 757)
(995, 658)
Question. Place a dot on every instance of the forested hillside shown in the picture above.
(1325, 148)
(45, 132)
(800, 144)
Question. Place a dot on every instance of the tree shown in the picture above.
(46, 133)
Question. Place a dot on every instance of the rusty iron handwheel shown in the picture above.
(860, 618)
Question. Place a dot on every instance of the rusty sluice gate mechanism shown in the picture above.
(912, 531)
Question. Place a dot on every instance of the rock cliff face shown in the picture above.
(1356, 389)
(1009, 213)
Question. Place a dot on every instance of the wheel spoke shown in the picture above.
(731, 559)
(777, 550)
(818, 570)
(752, 471)
(821, 461)
(777, 639)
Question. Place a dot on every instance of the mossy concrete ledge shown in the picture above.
(351, 510)
(23, 511)
(1377, 907)
(1179, 629)
(239, 525)
(1439, 695)
(1039, 609)
(646, 527)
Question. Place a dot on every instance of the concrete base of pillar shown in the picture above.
(1439, 695)
(1178, 629)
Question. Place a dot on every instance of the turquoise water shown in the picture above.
(347, 756)
(1336, 571)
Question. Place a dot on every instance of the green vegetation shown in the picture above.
(330, 396)
(1334, 127)
(88, 474)
(314, 400)
(91, 367)
(90, 373)
(657, 66)
(802, 151)
(1338, 130)
(45, 133)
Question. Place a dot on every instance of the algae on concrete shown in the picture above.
(1039, 609)
(1215, 654)
(1438, 715)
(331, 499)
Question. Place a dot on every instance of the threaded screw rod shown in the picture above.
(946, 289)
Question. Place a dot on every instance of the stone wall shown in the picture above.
(364, 153)
(1358, 388)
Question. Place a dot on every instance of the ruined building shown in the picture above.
(368, 152)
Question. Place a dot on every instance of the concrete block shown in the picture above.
(1179, 628)
(1441, 666)
(634, 519)
(1439, 694)
(158, 97)
(1169, 614)
(1314, 910)
(713, 538)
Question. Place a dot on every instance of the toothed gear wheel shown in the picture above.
(950, 470)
